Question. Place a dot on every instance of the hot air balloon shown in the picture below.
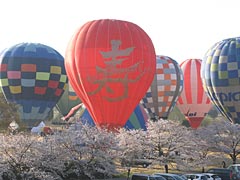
(193, 101)
(110, 65)
(137, 120)
(220, 73)
(33, 76)
(165, 89)
(68, 100)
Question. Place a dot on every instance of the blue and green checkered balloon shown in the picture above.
(33, 76)
(220, 74)
(137, 120)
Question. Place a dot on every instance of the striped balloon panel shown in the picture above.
(221, 77)
(137, 120)
(193, 101)
(33, 76)
(165, 89)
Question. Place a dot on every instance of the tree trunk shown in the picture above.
(166, 168)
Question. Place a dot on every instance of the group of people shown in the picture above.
(41, 129)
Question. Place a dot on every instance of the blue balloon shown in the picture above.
(220, 73)
(33, 76)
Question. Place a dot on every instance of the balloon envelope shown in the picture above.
(165, 89)
(220, 73)
(193, 101)
(110, 65)
(137, 120)
(68, 100)
(33, 76)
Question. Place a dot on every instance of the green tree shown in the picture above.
(8, 113)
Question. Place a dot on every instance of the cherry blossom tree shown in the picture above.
(91, 151)
(133, 147)
(88, 153)
(199, 154)
(169, 139)
(85, 152)
(20, 159)
(224, 138)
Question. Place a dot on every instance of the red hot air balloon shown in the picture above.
(110, 65)
(193, 102)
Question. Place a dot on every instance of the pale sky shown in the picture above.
(180, 29)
